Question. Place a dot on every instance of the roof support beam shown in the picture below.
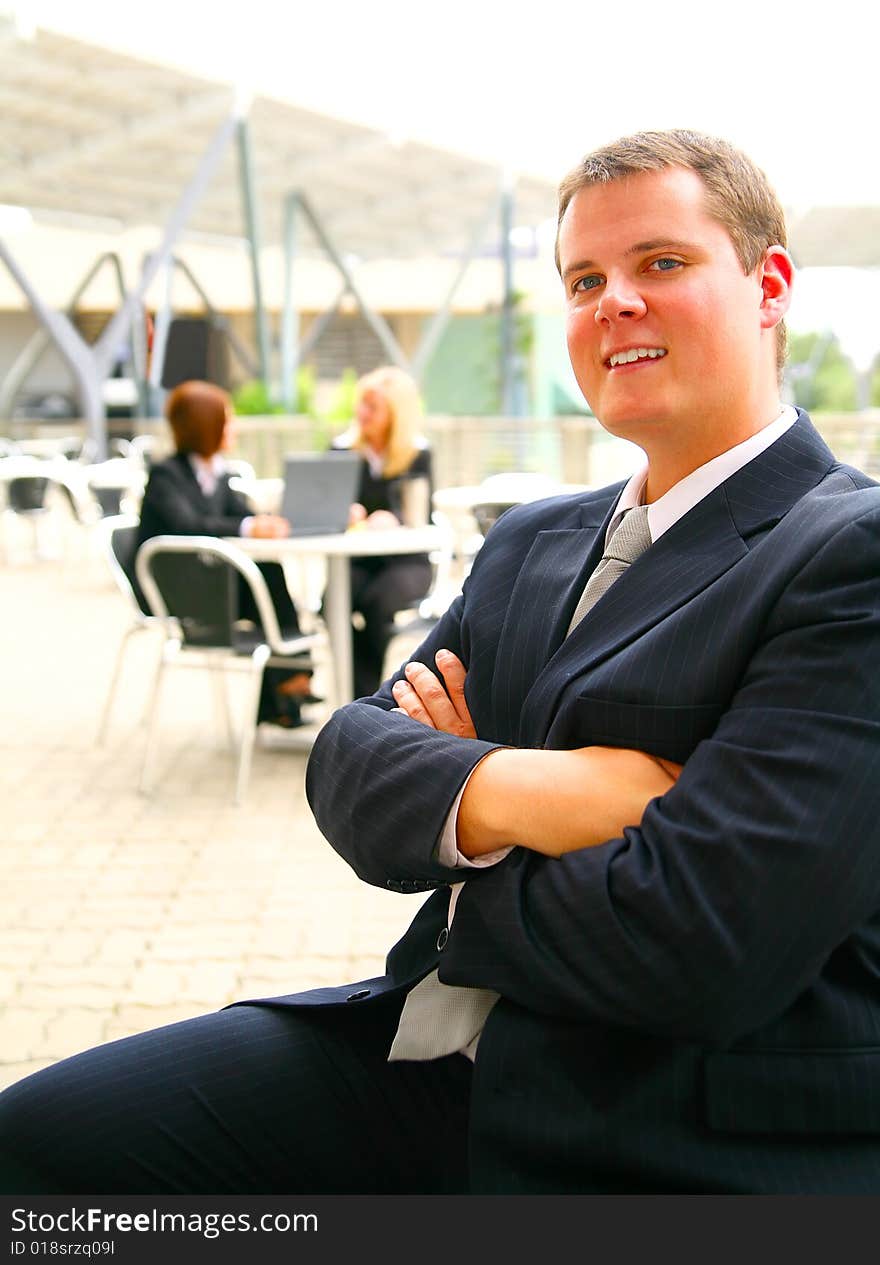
(434, 332)
(377, 323)
(294, 351)
(252, 226)
(290, 349)
(74, 350)
(91, 365)
(163, 318)
(40, 341)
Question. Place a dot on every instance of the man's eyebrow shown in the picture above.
(637, 248)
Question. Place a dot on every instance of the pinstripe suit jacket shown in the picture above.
(694, 1006)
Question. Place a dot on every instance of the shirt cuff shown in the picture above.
(244, 527)
(447, 851)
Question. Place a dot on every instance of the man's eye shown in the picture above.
(665, 264)
(586, 283)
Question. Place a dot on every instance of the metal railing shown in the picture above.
(467, 450)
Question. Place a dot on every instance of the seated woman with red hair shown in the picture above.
(189, 495)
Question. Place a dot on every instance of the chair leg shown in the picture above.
(153, 728)
(221, 705)
(249, 730)
(111, 693)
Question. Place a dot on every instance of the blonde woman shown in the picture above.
(395, 488)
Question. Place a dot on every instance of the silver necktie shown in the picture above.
(630, 539)
(440, 1019)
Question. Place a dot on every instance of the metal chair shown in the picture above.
(191, 584)
(117, 536)
(25, 484)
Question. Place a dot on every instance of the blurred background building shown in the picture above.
(282, 251)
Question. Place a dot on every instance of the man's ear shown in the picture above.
(776, 274)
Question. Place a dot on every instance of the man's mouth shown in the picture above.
(633, 354)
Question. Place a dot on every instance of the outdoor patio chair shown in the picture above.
(117, 537)
(191, 584)
(24, 486)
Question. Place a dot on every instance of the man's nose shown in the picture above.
(621, 300)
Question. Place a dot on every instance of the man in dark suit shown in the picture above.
(642, 749)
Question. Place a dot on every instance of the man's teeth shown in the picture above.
(635, 353)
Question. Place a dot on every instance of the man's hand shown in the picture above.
(551, 802)
(422, 697)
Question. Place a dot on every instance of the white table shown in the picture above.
(337, 550)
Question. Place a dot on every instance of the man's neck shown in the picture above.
(668, 463)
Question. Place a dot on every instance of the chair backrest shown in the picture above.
(109, 499)
(487, 513)
(27, 492)
(200, 590)
(196, 581)
(118, 537)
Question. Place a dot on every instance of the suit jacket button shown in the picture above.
(364, 992)
(442, 938)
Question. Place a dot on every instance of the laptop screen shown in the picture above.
(319, 489)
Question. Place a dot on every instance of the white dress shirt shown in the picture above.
(208, 471)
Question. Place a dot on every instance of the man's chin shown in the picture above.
(632, 424)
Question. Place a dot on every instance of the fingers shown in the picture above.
(454, 675)
(410, 703)
(422, 696)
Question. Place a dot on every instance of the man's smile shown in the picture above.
(632, 355)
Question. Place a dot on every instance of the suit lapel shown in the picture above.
(212, 502)
(710, 538)
(543, 597)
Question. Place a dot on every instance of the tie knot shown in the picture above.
(631, 537)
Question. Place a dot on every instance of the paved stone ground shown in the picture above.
(121, 912)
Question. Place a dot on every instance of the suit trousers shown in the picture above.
(288, 622)
(251, 1100)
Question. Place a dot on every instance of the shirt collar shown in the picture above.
(685, 494)
(207, 470)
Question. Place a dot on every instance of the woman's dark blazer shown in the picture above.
(174, 504)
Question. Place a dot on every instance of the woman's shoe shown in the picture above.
(279, 709)
(297, 688)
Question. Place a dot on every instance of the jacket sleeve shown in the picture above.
(381, 785)
(727, 902)
(175, 508)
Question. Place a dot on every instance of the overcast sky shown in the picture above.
(535, 85)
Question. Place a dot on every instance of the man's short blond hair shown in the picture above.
(738, 194)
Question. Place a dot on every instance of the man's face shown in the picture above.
(646, 269)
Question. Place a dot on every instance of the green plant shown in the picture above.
(342, 405)
(252, 398)
(304, 397)
(820, 375)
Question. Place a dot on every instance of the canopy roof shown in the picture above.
(87, 132)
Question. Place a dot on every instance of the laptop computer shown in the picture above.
(319, 489)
